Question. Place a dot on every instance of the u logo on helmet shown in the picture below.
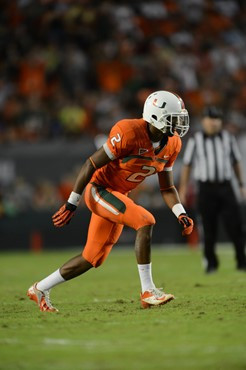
(155, 104)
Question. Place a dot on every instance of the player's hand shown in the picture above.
(64, 215)
(187, 223)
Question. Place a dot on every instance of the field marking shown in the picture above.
(106, 346)
(113, 347)
(73, 342)
(96, 300)
(93, 344)
(9, 341)
(59, 341)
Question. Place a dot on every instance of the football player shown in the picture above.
(135, 149)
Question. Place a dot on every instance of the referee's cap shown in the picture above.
(212, 112)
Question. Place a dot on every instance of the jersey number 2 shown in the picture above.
(135, 176)
(116, 138)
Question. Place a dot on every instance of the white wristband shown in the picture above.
(178, 209)
(74, 198)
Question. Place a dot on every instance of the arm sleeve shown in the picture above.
(189, 152)
(236, 155)
(117, 144)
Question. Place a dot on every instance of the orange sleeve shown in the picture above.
(119, 143)
(172, 159)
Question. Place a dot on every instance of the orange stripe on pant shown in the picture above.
(107, 222)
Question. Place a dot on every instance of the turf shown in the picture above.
(101, 325)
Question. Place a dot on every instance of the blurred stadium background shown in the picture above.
(70, 69)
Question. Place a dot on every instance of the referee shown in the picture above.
(216, 159)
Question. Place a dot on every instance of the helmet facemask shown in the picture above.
(172, 123)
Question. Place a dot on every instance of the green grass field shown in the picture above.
(101, 325)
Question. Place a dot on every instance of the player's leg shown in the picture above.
(74, 267)
(40, 291)
(102, 235)
(118, 207)
(143, 244)
(150, 295)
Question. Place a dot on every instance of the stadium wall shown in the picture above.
(35, 231)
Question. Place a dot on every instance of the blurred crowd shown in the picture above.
(73, 67)
(19, 195)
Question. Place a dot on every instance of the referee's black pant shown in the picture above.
(214, 200)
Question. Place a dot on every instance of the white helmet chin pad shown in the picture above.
(166, 111)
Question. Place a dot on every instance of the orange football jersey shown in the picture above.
(133, 156)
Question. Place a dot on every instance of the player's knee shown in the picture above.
(98, 263)
(146, 219)
(93, 261)
(96, 260)
(152, 220)
(88, 258)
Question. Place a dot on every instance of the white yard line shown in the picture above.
(74, 342)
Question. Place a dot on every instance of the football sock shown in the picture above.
(50, 281)
(145, 274)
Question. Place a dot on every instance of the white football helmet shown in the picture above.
(166, 111)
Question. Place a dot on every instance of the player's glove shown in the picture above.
(187, 223)
(64, 215)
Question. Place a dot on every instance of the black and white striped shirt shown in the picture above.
(212, 156)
